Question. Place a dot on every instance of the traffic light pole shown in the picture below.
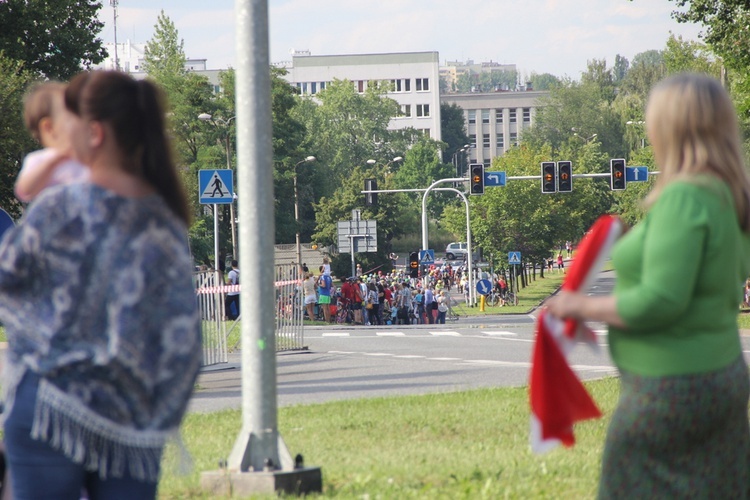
(432, 187)
(425, 243)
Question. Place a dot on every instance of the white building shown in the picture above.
(129, 58)
(413, 75)
(495, 120)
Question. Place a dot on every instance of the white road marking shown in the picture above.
(500, 333)
(389, 334)
(377, 354)
(445, 333)
(409, 356)
(445, 359)
(335, 334)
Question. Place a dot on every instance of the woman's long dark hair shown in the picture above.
(135, 109)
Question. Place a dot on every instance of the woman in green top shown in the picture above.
(681, 426)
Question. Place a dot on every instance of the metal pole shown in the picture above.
(257, 446)
(424, 214)
(296, 221)
(216, 238)
(231, 205)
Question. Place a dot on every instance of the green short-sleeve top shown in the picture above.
(680, 274)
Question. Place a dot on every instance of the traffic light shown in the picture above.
(549, 179)
(414, 264)
(476, 179)
(371, 199)
(564, 176)
(617, 170)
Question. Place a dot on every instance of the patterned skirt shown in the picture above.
(680, 437)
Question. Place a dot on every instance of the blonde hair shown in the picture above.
(693, 128)
(39, 103)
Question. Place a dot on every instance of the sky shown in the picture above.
(538, 36)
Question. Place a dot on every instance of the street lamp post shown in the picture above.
(385, 167)
(296, 214)
(220, 122)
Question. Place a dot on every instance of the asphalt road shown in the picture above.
(355, 362)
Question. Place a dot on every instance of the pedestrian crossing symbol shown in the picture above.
(427, 257)
(514, 257)
(215, 186)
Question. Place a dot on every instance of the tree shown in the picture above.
(165, 54)
(15, 142)
(53, 39)
(726, 24)
(544, 81)
(453, 129)
(421, 167)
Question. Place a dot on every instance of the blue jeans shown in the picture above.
(38, 471)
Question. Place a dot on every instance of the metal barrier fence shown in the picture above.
(289, 308)
(211, 294)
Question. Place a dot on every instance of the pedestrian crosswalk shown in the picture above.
(434, 333)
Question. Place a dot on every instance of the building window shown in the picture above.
(423, 84)
(304, 87)
(406, 110)
(499, 116)
(314, 88)
(472, 116)
(473, 142)
(485, 116)
(514, 139)
(527, 115)
(423, 110)
(361, 86)
(407, 85)
(512, 116)
(500, 140)
(487, 163)
(486, 140)
(322, 85)
(425, 131)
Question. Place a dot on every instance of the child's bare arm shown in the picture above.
(36, 172)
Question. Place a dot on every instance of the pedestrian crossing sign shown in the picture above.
(514, 257)
(215, 186)
(427, 257)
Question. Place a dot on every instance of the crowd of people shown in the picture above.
(382, 298)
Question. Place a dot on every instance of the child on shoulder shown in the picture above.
(48, 121)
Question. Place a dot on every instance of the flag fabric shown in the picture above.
(558, 398)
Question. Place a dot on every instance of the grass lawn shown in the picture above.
(462, 445)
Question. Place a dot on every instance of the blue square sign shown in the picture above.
(215, 186)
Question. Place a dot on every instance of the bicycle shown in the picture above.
(510, 298)
(494, 298)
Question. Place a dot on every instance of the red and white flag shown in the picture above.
(558, 398)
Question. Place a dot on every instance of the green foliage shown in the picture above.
(452, 129)
(519, 218)
(165, 55)
(56, 39)
(14, 139)
(725, 23)
(544, 81)
(486, 81)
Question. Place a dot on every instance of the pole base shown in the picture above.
(243, 484)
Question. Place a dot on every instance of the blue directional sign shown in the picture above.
(484, 287)
(514, 257)
(427, 257)
(215, 186)
(636, 174)
(494, 178)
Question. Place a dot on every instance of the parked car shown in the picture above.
(456, 251)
